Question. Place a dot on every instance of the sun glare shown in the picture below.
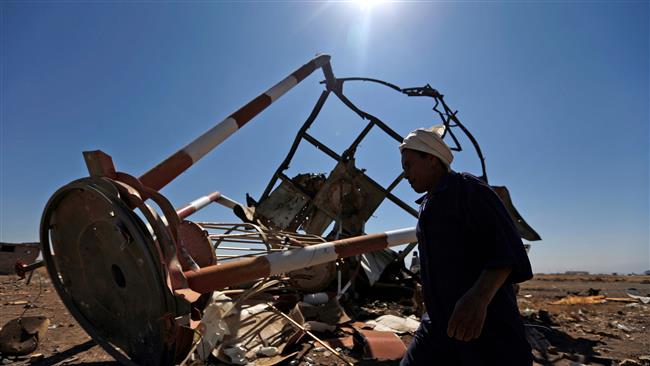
(367, 4)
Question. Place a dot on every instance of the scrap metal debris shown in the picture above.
(21, 336)
(298, 268)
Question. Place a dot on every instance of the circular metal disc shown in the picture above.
(104, 265)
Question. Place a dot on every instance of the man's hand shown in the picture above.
(466, 322)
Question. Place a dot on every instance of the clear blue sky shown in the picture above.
(555, 92)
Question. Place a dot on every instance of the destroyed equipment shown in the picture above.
(136, 274)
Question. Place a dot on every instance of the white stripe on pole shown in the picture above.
(201, 202)
(282, 87)
(213, 137)
(290, 260)
(225, 201)
(401, 236)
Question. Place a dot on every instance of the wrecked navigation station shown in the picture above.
(152, 287)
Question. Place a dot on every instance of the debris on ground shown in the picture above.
(395, 324)
(21, 336)
(589, 334)
(573, 300)
(635, 294)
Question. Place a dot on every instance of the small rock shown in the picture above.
(36, 357)
(327, 353)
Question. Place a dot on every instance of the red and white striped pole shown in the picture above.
(219, 276)
(176, 164)
(201, 202)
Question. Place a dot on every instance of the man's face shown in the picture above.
(419, 170)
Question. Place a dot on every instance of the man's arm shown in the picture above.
(466, 322)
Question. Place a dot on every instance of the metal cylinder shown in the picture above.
(216, 277)
(199, 203)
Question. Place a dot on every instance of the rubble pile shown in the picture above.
(267, 323)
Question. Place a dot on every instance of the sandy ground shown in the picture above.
(596, 334)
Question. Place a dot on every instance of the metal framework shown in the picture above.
(136, 273)
(334, 85)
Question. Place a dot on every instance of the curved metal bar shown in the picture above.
(426, 91)
(385, 83)
(452, 115)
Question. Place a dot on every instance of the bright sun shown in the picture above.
(367, 4)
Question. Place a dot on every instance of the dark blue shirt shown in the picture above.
(463, 228)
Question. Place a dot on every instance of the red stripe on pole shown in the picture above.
(185, 211)
(166, 171)
(220, 276)
(360, 244)
(250, 110)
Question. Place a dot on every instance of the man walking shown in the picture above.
(470, 255)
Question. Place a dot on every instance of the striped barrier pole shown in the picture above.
(219, 276)
(201, 202)
(179, 162)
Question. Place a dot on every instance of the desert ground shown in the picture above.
(609, 332)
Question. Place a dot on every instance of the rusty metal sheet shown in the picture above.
(348, 196)
(342, 342)
(525, 230)
(283, 205)
(381, 346)
(196, 241)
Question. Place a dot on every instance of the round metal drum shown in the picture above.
(104, 265)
